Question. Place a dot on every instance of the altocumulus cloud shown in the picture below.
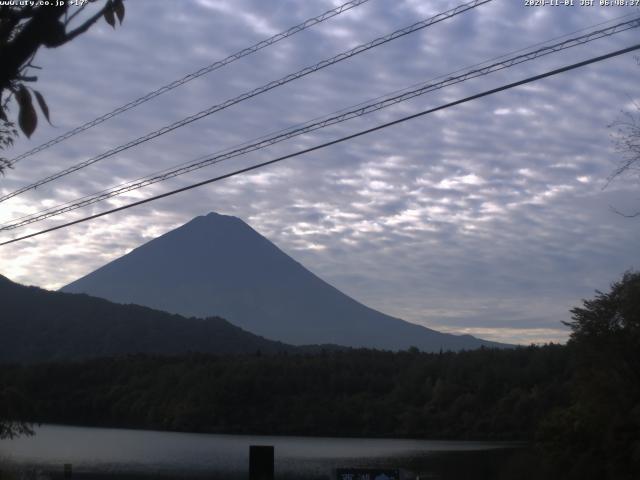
(488, 218)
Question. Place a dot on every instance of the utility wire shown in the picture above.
(344, 115)
(309, 126)
(336, 141)
(265, 88)
(192, 76)
(405, 89)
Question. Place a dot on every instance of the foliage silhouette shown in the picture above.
(25, 27)
(597, 436)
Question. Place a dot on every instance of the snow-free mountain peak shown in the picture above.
(218, 265)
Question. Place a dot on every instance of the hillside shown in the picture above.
(39, 325)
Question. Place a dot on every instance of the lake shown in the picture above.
(120, 453)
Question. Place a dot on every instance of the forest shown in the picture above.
(488, 394)
(578, 404)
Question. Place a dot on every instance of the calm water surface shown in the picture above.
(102, 452)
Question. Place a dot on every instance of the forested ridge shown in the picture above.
(481, 394)
(38, 325)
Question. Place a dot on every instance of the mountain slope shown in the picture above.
(39, 325)
(218, 265)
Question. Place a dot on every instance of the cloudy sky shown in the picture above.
(489, 218)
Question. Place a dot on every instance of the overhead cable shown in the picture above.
(192, 76)
(333, 142)
(360, 110)
(257, 91)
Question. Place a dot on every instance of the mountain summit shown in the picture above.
(218, 265)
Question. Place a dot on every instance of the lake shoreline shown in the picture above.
(516, 443)
(106, 453)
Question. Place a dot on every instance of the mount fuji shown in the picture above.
(218, 265)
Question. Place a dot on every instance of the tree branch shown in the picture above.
(42, 29)
(86, 25)
(75, 14)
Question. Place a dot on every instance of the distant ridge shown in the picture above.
(37, 325)
(219, 265)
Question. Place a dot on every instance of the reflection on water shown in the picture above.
(101, 453)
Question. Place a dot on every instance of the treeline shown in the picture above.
(481, 394)
(597, 436)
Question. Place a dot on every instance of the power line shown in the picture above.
(192, 76)
(247, 95)
(289, 133)
(347, 114)
(334, 142)
(406, 89)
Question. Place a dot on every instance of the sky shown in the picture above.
(492, 218)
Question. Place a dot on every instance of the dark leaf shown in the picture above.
(3, 116)
(118, 7)
(43, 105)
(27, 118)
(108, 14)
